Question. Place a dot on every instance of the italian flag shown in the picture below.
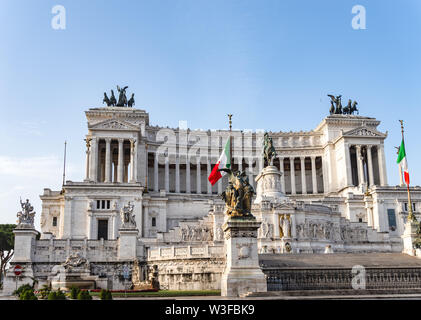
(402, 161)
(223, 162)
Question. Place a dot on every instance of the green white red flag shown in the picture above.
(223, 162)
(402, 161)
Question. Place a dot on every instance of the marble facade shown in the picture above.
(330, 187)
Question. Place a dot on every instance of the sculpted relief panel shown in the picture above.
(320, 230)
(196, 233)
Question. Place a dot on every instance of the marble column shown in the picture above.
(94, 160)
(303, 175)
(360, 165)
(88, 145)
(382, 165)
(313, 174)
(133, 160)
(370, 166)
(209, 169)
(167, 174)
(198, 177)
(107, 160)
(177, 173)
(120, 161)
(155, 173)
(188, 187)
(282, 170)
(348, 165)
(292, 173)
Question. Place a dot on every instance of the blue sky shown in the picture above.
(270, 63)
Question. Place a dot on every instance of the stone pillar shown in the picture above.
(209, 170)
(303, 176)
(198, 177)
(360, 166)
(167, 174)
(120, 165)
(188, 188)
(408, 237)
(24, 244)
(93, 164)
(382, 165)
(268, 184)
(88, 144)
(155, 173)
(242, 272)
(282, 171)
(313, 174)
(292, 173)
(370, 167)
(177, 173)
(107, 160)
(348, 165)
(133, 162)
(127, 244)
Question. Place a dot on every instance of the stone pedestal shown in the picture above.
(25, 237)
(269, 184)
(242, 272)
(127, 244)
(408, 237)
(24, 244)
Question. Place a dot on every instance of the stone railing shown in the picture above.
(57, 250)
(281, 279)
(183, 252)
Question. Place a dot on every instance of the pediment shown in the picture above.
(364, 132)
(114, 124)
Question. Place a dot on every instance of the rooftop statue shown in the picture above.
(336, 106)
(238, 195)
(130, 103)
(122, 98)
(269, 152)
(26, 216)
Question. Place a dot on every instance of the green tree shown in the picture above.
(7, 240)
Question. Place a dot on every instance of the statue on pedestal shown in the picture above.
(127, 216)
(238, 194)
(27, 215)
(269, 152)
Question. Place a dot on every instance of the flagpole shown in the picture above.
(230, 126)
(411, 216)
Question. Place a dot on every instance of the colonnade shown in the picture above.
(200, 175)
(367, 170)
(111, 168)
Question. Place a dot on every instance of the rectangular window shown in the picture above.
(392, 219)
(54, 221)
(103, 229)
(108, 204)
(98, 204)
(153, 222)
(405, 206)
